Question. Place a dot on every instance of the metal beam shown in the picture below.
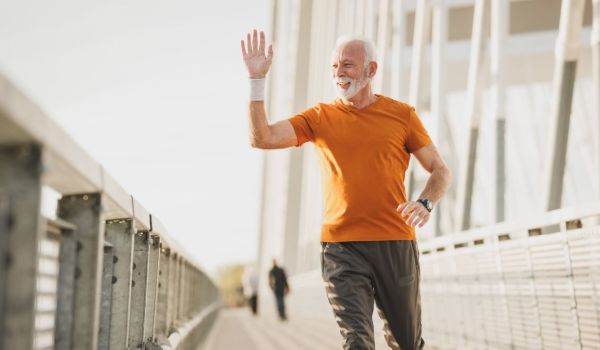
(139, 277)
(106, 298)
(181, 290)
(65, 309)
(4, 227)
(473, 110)
(420, 39)
(500, 12)
(85, 212)
(596, 81)
(160, 324)
(398, 48)
(438, 82)
(369, 23)
(300, 93)
(382, 81)
(120, 233)
(21, 231)
(175, 292)
(152, 289)
(567, 52)
(171, 288)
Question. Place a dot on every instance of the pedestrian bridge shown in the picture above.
(535, 286)
(105, 274)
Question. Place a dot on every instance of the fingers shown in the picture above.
(261, 46)
(414, 213)
(409, 207)
(244, 53)
(418, 218)
(401, 207)
(255, 45)
(254, 40)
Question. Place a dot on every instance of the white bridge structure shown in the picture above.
(509, 91)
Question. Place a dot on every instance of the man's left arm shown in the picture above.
(439, 180)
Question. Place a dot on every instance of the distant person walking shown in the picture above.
(250, 284)
(364, 141)
(279, 286)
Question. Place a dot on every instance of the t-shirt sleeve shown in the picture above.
(417, 135)
(305, 124)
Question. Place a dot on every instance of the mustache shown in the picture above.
(343, 80)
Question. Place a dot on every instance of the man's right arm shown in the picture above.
(262, 134)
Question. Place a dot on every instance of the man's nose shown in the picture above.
(338, 71)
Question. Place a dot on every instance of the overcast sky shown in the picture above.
(156, 91)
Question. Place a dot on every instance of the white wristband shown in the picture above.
(257, 89)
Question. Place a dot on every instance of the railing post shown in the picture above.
(138, 289)
(4, 226)
(152, 287)
(120, 234)
(185, 302)
(181, 291)
(85, 212)
(171, 293)
(162, 295)
(175, 293)
(195, 293)
(65, 309)
(20, 233)
(106, 298)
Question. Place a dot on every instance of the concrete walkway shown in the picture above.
(238, 329)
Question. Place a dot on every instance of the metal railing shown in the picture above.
(511, 286)
(103, 274)
(532, 285)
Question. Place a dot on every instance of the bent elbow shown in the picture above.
(258, 144)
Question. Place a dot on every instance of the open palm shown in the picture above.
(253, 52)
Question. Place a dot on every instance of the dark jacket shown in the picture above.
(278, 281)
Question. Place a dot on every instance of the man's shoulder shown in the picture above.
(396, 103)
(320, 106)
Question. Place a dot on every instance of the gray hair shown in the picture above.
(370, 52)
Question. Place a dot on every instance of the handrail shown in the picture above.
(508, 230)
(71, 169)
(138, 251)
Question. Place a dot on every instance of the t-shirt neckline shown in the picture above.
(341, 103)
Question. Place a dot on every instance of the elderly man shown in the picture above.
(368, 249)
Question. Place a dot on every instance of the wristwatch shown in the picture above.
(426, 203)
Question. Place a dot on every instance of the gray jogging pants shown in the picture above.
(357, 274)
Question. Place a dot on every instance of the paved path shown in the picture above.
(238, 329)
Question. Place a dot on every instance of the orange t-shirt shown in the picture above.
(364, 154)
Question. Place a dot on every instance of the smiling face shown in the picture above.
(349, 69)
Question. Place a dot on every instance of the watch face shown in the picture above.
(427, 204)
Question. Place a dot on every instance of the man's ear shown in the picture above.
(372, 69)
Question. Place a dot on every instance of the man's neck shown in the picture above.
(363, 99)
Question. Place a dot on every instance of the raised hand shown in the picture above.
(253, 51)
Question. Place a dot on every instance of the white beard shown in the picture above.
(355, 86)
